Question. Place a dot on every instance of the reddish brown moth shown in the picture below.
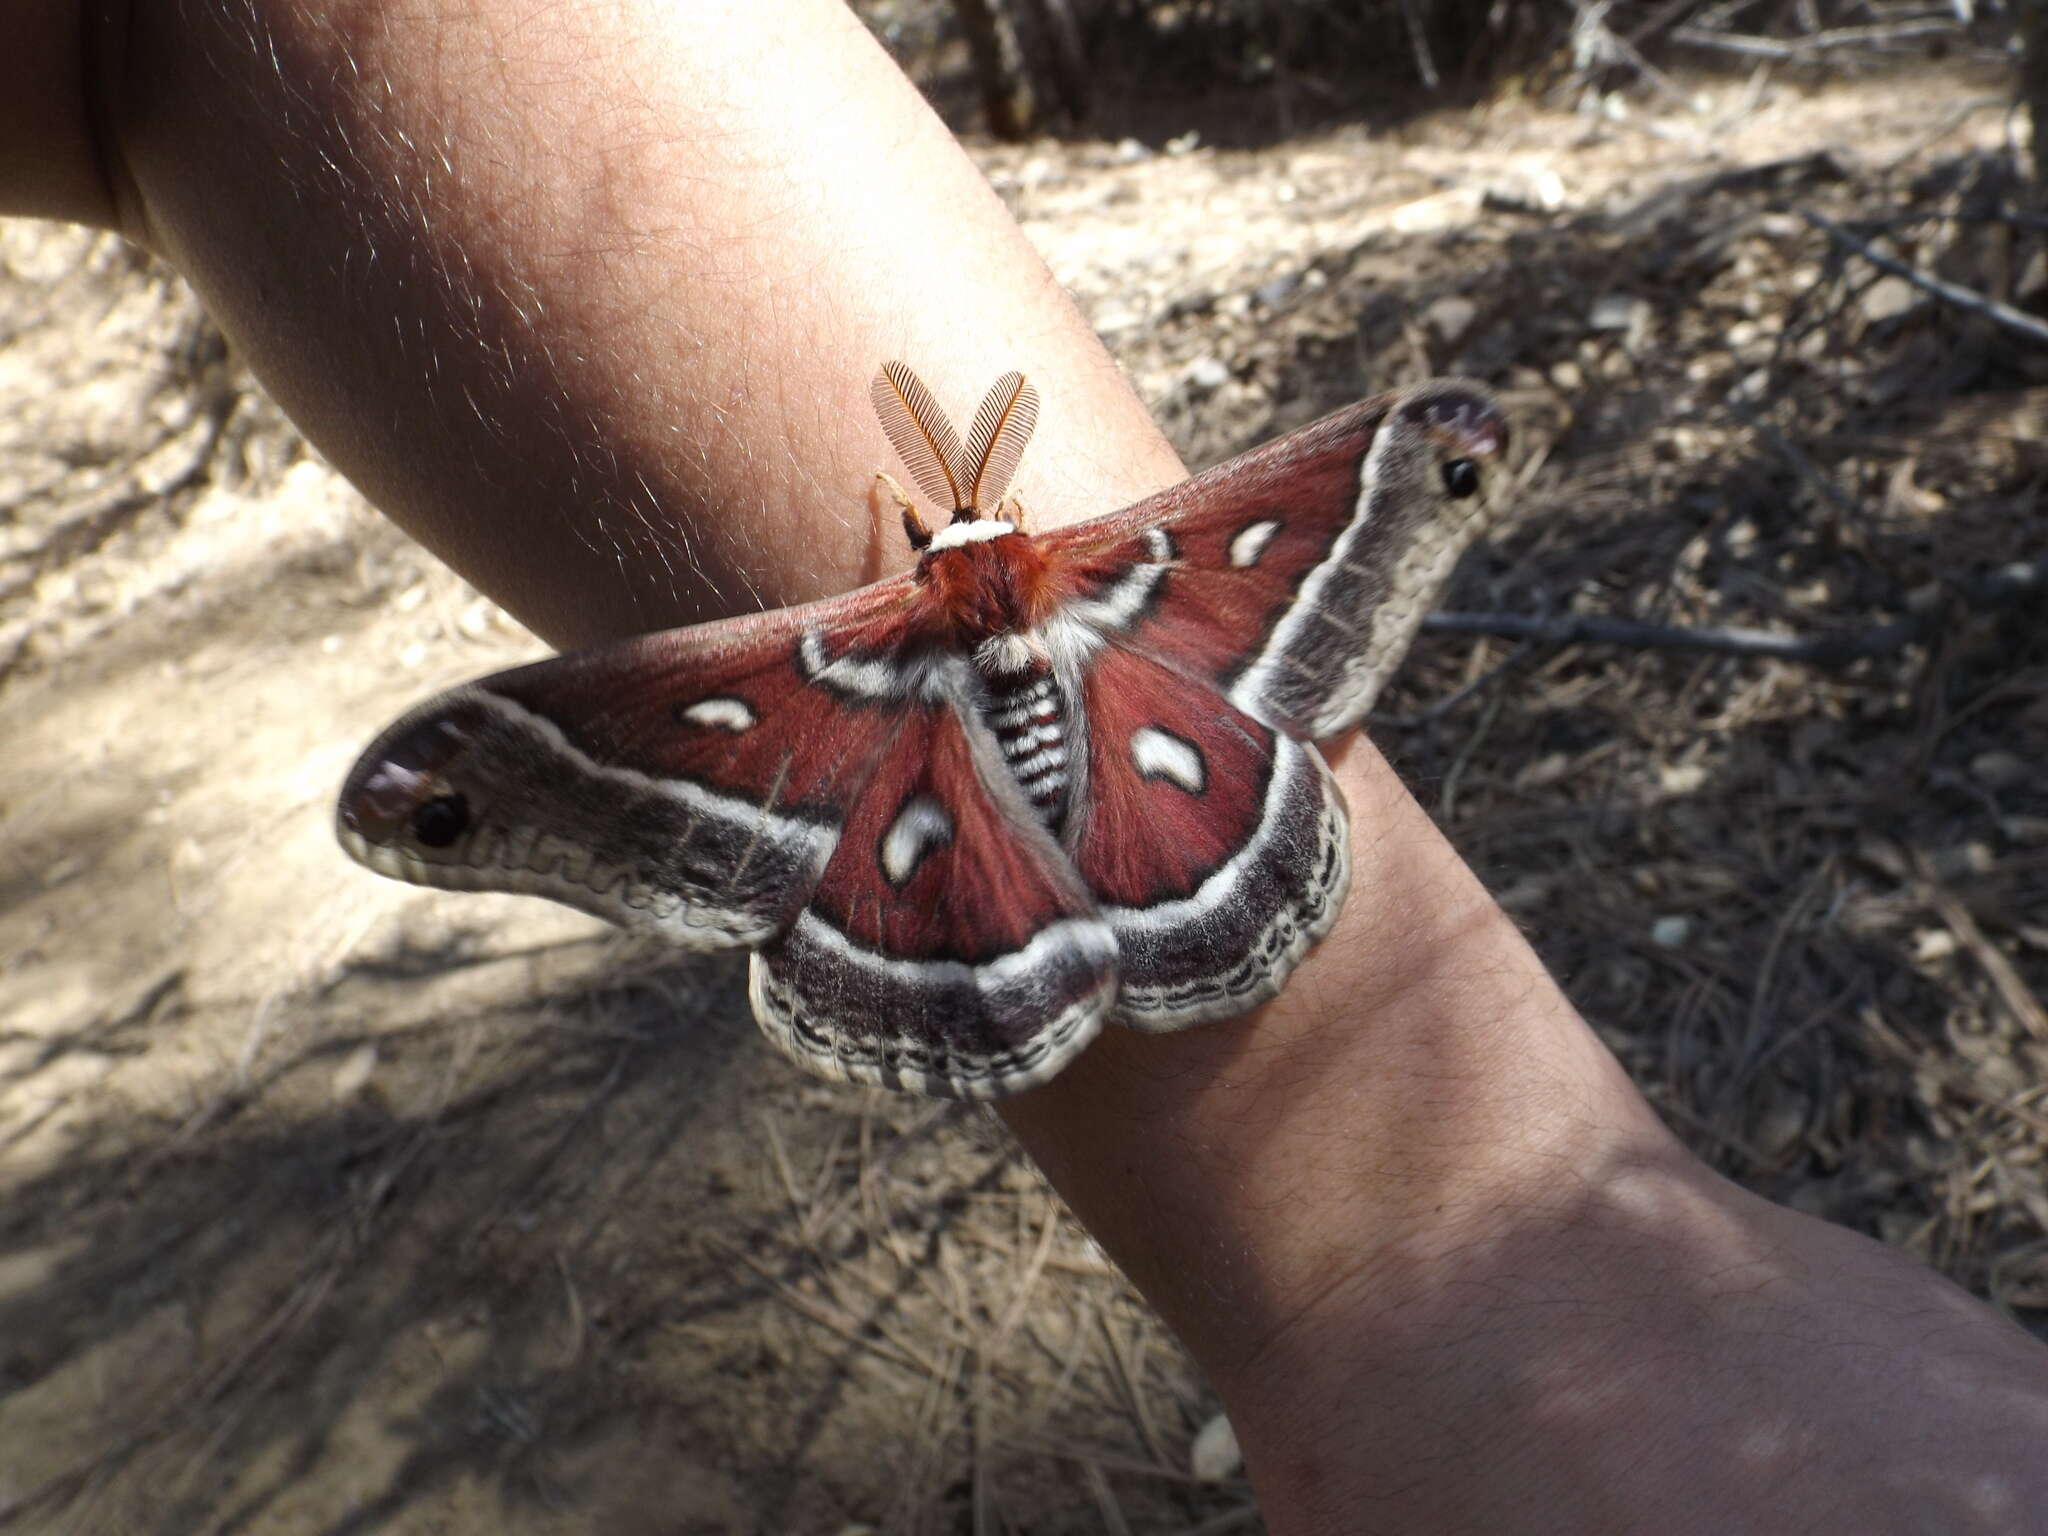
(966, 815)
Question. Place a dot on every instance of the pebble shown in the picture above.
(1999, 770)
(1671, 932)
(1215, 1454)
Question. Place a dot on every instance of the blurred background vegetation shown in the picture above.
(1247, 71)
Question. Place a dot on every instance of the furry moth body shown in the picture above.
(966, 815)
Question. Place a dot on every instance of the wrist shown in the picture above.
(1420, 1075)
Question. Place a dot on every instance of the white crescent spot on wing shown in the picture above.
(919, 827)
(726, 713)
(1291, 763)
(1163, 755)
(1251, 543)
(1248, 694)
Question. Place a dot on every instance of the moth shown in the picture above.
(966, 815)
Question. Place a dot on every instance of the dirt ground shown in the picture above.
(331, 1205)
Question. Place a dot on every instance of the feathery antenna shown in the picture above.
(996, 440)
(969, 480)
(921, 435)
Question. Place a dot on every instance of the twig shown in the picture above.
(1106, 1505)
(2012, 582)
(1949, 125)
(1128, 1376)
(1819, 42)
(1418, 39)
(885, 1348)
(1963, 298)
(1587, 629)
(573, 1354)
(1450, 701)
(1020, 1299)
(1660, 20)
(1748, 1060)
(1230, 1520)
(872, 1168)
(1597, 43)
(1454, 776)
(1802, 465)
(803, 1212)
(1957, 1080)
(931, 1432)
(2006, 980)
(798, 1206)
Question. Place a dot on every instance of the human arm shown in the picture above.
(584, 295)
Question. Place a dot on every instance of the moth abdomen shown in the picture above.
(1027, 713)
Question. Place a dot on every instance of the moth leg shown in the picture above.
(1011, 511)
(885, 489)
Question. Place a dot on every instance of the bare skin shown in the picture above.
(587, 298)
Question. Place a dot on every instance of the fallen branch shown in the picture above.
(2005, 977)
(1587, 629)
(1954, 293)
(2003, 586)
(1418, 39)
(1874, 36)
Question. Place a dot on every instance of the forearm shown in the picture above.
(588, 296)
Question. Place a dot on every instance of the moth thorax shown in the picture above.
(1027, 714)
